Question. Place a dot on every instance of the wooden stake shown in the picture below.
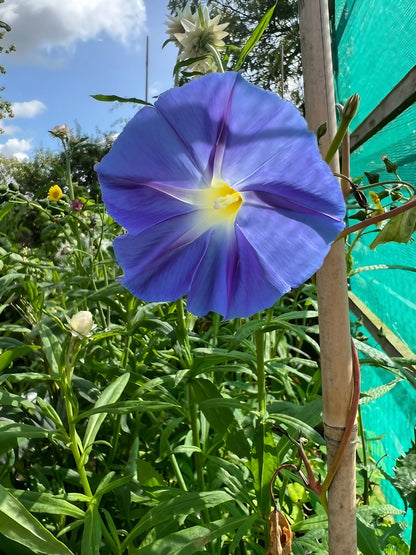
(336, 357)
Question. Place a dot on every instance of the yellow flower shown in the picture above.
(55, 193)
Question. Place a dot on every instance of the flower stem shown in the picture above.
(378, 218)
(75, 442)
(261, 386)
(68, 176)
(195, 437)
(261, 428)
(182, 335)
(366, 492)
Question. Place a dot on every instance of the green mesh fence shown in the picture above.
(374, 48)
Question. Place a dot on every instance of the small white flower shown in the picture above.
(201, 36)
(61, 131)
(174, 23)
(81, 323)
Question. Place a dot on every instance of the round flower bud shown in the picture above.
(82, 323)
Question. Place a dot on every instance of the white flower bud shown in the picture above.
(82, 323)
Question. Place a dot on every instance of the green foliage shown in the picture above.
(404, 478)
(153, 433)
(5, 105)
(263, 66)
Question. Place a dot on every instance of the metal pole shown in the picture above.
(147, 69)
(336, 357)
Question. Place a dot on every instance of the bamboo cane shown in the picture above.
(336, 358)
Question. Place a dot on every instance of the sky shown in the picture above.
(67, 50)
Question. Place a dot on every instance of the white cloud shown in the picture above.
(9, 129)
(16, 148)
(28, 109)
(45, 24)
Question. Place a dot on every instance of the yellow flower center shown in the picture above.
(222, 201)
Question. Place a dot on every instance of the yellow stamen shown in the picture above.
(222, 201)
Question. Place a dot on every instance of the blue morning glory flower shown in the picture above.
(224, 195)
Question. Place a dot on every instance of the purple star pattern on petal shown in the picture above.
(224, 195)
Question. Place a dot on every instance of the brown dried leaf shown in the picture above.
(281, 535)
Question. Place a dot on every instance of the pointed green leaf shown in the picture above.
(19, 525)
(181, 505)
(115, 98)
(108, 396)
(255, 37)
(91, 536)
(192, 540)
(47, 503)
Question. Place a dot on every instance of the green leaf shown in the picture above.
(47, 503)
(255, 37)
(9, 282)
(367, 539)
(399, 228)
(377, 392)
(263, 464)
(12, 435)
(312, 523)
(108, 396)
(186, 542)
(147, 475)
(219, 417)
(9, 356)
(12, 400)
(26, 377)
(115, 98)
(183, 504)
(379, 358)
(51, 342)
(372, 513)
(7, 207)
(188, 62)
(126, 407)
(404, 479)
(6, 26)
(19, 525)
(294, 425)
(91, 536)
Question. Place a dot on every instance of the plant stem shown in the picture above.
(195, 437)
(261, 386)
(366, 492)
(182, 334)
(68, 176)
(413, 537)
(76, 444)
(261, 398)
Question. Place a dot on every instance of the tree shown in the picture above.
(5, 106)
(263, 66)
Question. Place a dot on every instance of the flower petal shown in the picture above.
(286, 159)
(160, 262)
(197, 112)
(139, 161)
(211, 286)
(291, 247)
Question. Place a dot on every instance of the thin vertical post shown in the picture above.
(335, 342)
(147, 69)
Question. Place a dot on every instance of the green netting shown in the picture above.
(391, 428)
(374, 47)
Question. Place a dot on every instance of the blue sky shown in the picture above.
(67, 50)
